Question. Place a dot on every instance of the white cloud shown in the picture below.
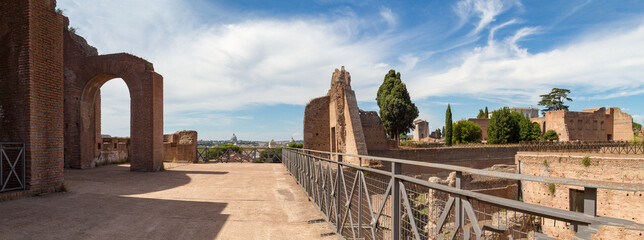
(505, 72)
(638, 118)
(389, 17)
(484, 10)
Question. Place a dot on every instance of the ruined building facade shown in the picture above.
(334, 123)
(595, 124)
(50, 83)
(421, 129)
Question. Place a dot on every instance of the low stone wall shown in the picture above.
(603, 167)
(113, 150)
(180, 147)
(473, 157)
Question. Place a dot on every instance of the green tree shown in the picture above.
(440, 134)
(481, 114)
(487, 114)
(554, 100)
(550, 135)
(404, 137)
(528, 131)
(397, 112)
(448, 126)
(504, 127)
(637, 128)
(466, 132)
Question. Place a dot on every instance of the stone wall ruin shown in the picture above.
(334, 123)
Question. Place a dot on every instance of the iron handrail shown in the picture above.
(635, 187)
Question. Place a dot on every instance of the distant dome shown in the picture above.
(292, 140)
(233, 139)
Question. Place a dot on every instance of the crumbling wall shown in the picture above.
(113, 150)
(602, 167)
(316, 125)
(374, 133)
(180, 146)
(473, 157)
(31, 88)
(622, 125)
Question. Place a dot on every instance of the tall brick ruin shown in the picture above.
(334, 123)
(50, 99)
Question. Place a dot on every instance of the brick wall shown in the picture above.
(180, 146)
(473, 157)
(316, 124)
(603, 167)
(31, 82)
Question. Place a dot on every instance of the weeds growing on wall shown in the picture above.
(551, 188)
(586, 161)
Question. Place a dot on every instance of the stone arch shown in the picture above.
(145, 86)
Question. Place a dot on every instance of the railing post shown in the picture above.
(395, 201)
(458, 210)
(338, 197)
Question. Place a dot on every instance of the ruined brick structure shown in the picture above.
(113, 150)
(180, 146)
(421, 129)
(334, 123)
(623, 168)
(50, 99)
(595, 124)
(483, 123)
(31, 88)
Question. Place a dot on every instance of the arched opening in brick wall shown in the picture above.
(83, 111)
(113, 114)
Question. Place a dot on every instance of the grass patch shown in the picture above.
(551, 188)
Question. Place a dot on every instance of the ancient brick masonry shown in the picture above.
(85, 73)
(180, 146)
(50, 99)
(334, 123)
(31, 87)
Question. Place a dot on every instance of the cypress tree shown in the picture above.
(487, 115)
(448, 126)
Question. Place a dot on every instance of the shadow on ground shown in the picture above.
(99, 205)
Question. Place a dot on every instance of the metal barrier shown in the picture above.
(590, 147)
(12, 166)
(361, 202)
(240, 154)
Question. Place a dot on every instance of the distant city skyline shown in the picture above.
(249, 67)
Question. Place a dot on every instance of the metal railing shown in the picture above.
(361, 202)
(12, 166)
(612, 147)
(241, 154)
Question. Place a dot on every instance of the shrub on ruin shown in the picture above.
(397, 112)
(585, 161)
(550, 135)
(466, 132)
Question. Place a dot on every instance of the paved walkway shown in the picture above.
(199, 201)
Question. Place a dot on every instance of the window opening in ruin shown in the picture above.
(115, 145)
(576, 200)
(594, 124)
(115, 109)
(581, 124)
(571, 127)
(99, 145)
(609, 137)
(602, 125)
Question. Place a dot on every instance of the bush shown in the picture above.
(404, 137)
(271, 155)
(528, 131)
(550, 135)
(296, 145)
(586, 161)
(466, 132)
(221, 149)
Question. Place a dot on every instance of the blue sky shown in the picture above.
(249, 67)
